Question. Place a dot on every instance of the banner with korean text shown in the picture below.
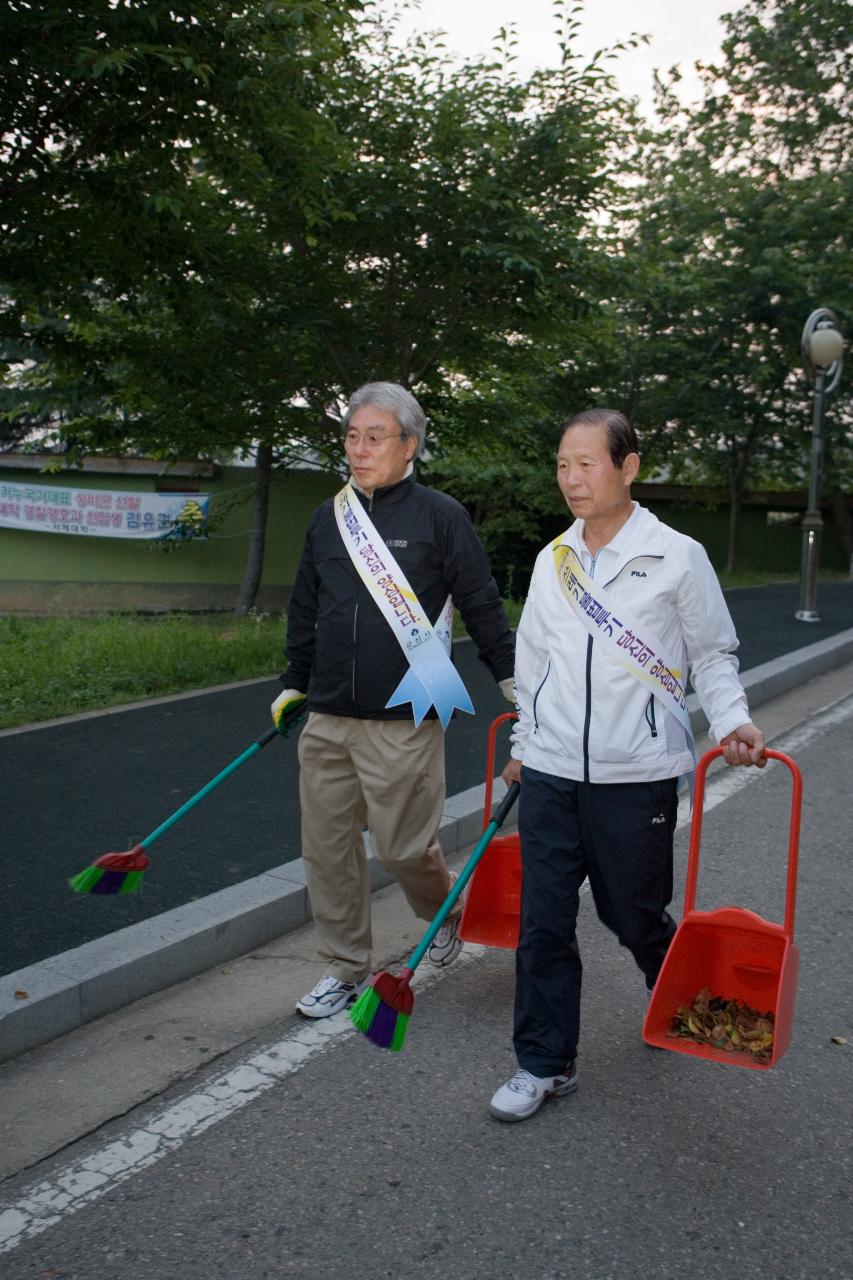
(103, 513)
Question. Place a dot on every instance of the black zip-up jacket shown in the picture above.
(340, 650)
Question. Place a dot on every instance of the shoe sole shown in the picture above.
(308, 1013)
(314, 1015)
(512, 1117)
(326, 1013)
(442, 964)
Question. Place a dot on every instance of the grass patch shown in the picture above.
(57, 666)
(513, 612)
(748, 578)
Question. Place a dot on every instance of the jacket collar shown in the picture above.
(388, 489)
(640, 535)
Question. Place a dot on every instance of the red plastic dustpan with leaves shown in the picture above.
(732, 953)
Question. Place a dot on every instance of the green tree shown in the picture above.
(132, 135)
(108, 111)
(459, 228)
(739, 233)
(135, 138)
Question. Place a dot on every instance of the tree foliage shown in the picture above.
(217, 224)
(740, 232)
(108, 113)
(423, 221)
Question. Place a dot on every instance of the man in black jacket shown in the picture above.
(363, 762)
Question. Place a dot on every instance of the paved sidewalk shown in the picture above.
(303, 1151)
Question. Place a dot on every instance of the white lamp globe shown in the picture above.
(825, 347)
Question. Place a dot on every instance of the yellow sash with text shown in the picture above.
(627, 642)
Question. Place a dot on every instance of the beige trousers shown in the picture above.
(386, 775)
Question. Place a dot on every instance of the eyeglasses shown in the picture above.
(372, 439)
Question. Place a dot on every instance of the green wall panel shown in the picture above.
(77, 572)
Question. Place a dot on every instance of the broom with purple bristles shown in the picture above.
(383, 1009)
(120, 873)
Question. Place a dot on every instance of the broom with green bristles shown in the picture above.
(120, 873)
(383, 1009)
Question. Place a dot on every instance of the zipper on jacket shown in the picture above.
(650, 715)
(354, 650)
(537, 693)
(355, 624)
(588, 716)
(588, 713)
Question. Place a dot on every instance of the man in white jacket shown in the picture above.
(620, 608)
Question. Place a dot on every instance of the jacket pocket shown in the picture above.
(537, 693)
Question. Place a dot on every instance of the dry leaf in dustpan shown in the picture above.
(725, 1024)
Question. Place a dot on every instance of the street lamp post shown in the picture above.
(823, 347)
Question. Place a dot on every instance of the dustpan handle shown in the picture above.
(793, 836)
(490, 763)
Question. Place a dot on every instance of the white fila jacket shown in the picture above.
(581, 715)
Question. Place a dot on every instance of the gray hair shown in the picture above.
(394, 399)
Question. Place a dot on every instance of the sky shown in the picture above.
(681, 31)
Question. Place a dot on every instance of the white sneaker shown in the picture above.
(447, 944)
(330, 996)
(523, 1095)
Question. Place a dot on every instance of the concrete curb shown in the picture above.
(771, 679)
(78, 986)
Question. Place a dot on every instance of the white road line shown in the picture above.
(80, 1183)
(722, 786)
(83, 1181)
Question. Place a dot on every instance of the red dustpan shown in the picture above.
(493, 906)
(732, 952)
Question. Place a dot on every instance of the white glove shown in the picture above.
(286, 699)
(507, 688)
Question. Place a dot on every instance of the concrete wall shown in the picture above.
(57, 573)
(762, 547)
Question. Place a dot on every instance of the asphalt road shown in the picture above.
(87, 787)
(356, 1162)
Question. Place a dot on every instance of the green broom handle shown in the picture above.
(464, 876)
(220, 777)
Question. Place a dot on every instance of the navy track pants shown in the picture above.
(620, 835)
